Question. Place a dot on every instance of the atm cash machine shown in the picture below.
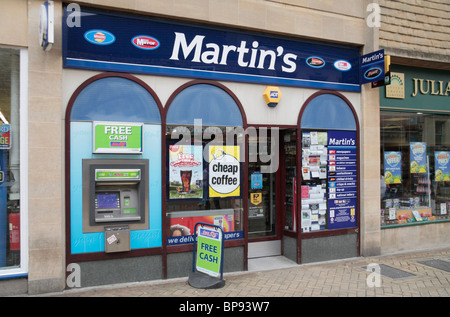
(115, 198)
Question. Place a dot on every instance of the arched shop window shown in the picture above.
(115, 101)
(328, 112)
(329, 164)
(205, 147)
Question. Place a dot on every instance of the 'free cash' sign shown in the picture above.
(209, 251)
(117, 137)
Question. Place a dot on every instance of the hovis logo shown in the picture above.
(145, 42)
(99, 37)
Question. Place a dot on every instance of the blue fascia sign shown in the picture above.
(124, 43)
(372, 67)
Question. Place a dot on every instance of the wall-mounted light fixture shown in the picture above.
(47, 25)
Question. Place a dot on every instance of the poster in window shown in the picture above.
(392, 167)
(342, 179)
(5, 136)
(224, 171)
(418, 157)
(442, 166)
(256, 180)
(185, 171)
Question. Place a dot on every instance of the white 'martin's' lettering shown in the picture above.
(180, 40)
(212, 53)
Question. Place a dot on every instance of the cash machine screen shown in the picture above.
(107, 201)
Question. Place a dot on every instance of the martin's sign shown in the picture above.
(243, 55)
(161, 47)
(372, 67)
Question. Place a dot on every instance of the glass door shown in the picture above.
(262, 215)
(272, 191)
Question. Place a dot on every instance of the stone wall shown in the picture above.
(339, 21)
(416, 29)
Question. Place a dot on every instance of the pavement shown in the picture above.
(407, 274)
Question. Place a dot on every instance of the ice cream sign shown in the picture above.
(117, 137)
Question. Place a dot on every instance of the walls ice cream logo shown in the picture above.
(99, 37)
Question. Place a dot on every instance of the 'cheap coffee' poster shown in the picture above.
(224, 171)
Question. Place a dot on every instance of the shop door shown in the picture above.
(269, 190)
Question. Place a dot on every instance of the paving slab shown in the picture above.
(407, 274)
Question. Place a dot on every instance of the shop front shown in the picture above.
(169, 124)
(415, 170)
(13, 214)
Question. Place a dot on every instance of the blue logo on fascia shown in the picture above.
(99, 37)
(342, 65)
(315, 62)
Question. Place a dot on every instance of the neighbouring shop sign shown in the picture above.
(416, 89)
(115, 137)
(115, 42)
(5, 137)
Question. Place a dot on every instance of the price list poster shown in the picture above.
(342, 179)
